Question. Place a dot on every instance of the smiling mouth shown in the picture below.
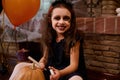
(61, 27)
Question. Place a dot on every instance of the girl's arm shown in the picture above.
(74, 60)
(43, 60)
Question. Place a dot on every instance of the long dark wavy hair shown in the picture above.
(70, 35)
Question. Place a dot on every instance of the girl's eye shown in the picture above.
(57, 18)
(66, 18)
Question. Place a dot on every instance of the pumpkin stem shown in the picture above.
(33, 66)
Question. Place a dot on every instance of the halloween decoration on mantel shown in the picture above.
(118, 11)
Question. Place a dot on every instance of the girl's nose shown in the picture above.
(61, 21)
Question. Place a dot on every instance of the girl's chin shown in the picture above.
(60, 32)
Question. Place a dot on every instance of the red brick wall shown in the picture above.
(102, 43)
(104, 25)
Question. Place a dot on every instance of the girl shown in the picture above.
(61, 43)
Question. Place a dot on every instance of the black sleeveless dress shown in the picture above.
(59, 60)
(57, 56)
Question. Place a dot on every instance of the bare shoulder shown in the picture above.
(77, 44)
(76, 47)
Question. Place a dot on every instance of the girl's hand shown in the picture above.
(39, 64)
(42, 66)
(56, 74)
(42, 63)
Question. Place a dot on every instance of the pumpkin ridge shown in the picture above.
(25, 72)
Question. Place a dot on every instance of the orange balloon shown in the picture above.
(20, 11)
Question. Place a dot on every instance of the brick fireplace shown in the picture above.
(102, 46)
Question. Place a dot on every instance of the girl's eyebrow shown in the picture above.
(67, 17)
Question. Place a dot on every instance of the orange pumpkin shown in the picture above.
(27, 71)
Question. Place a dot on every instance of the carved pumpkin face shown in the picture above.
(29, 73)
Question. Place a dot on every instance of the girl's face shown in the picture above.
(61, 18)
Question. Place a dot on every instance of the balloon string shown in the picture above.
(15, 36)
